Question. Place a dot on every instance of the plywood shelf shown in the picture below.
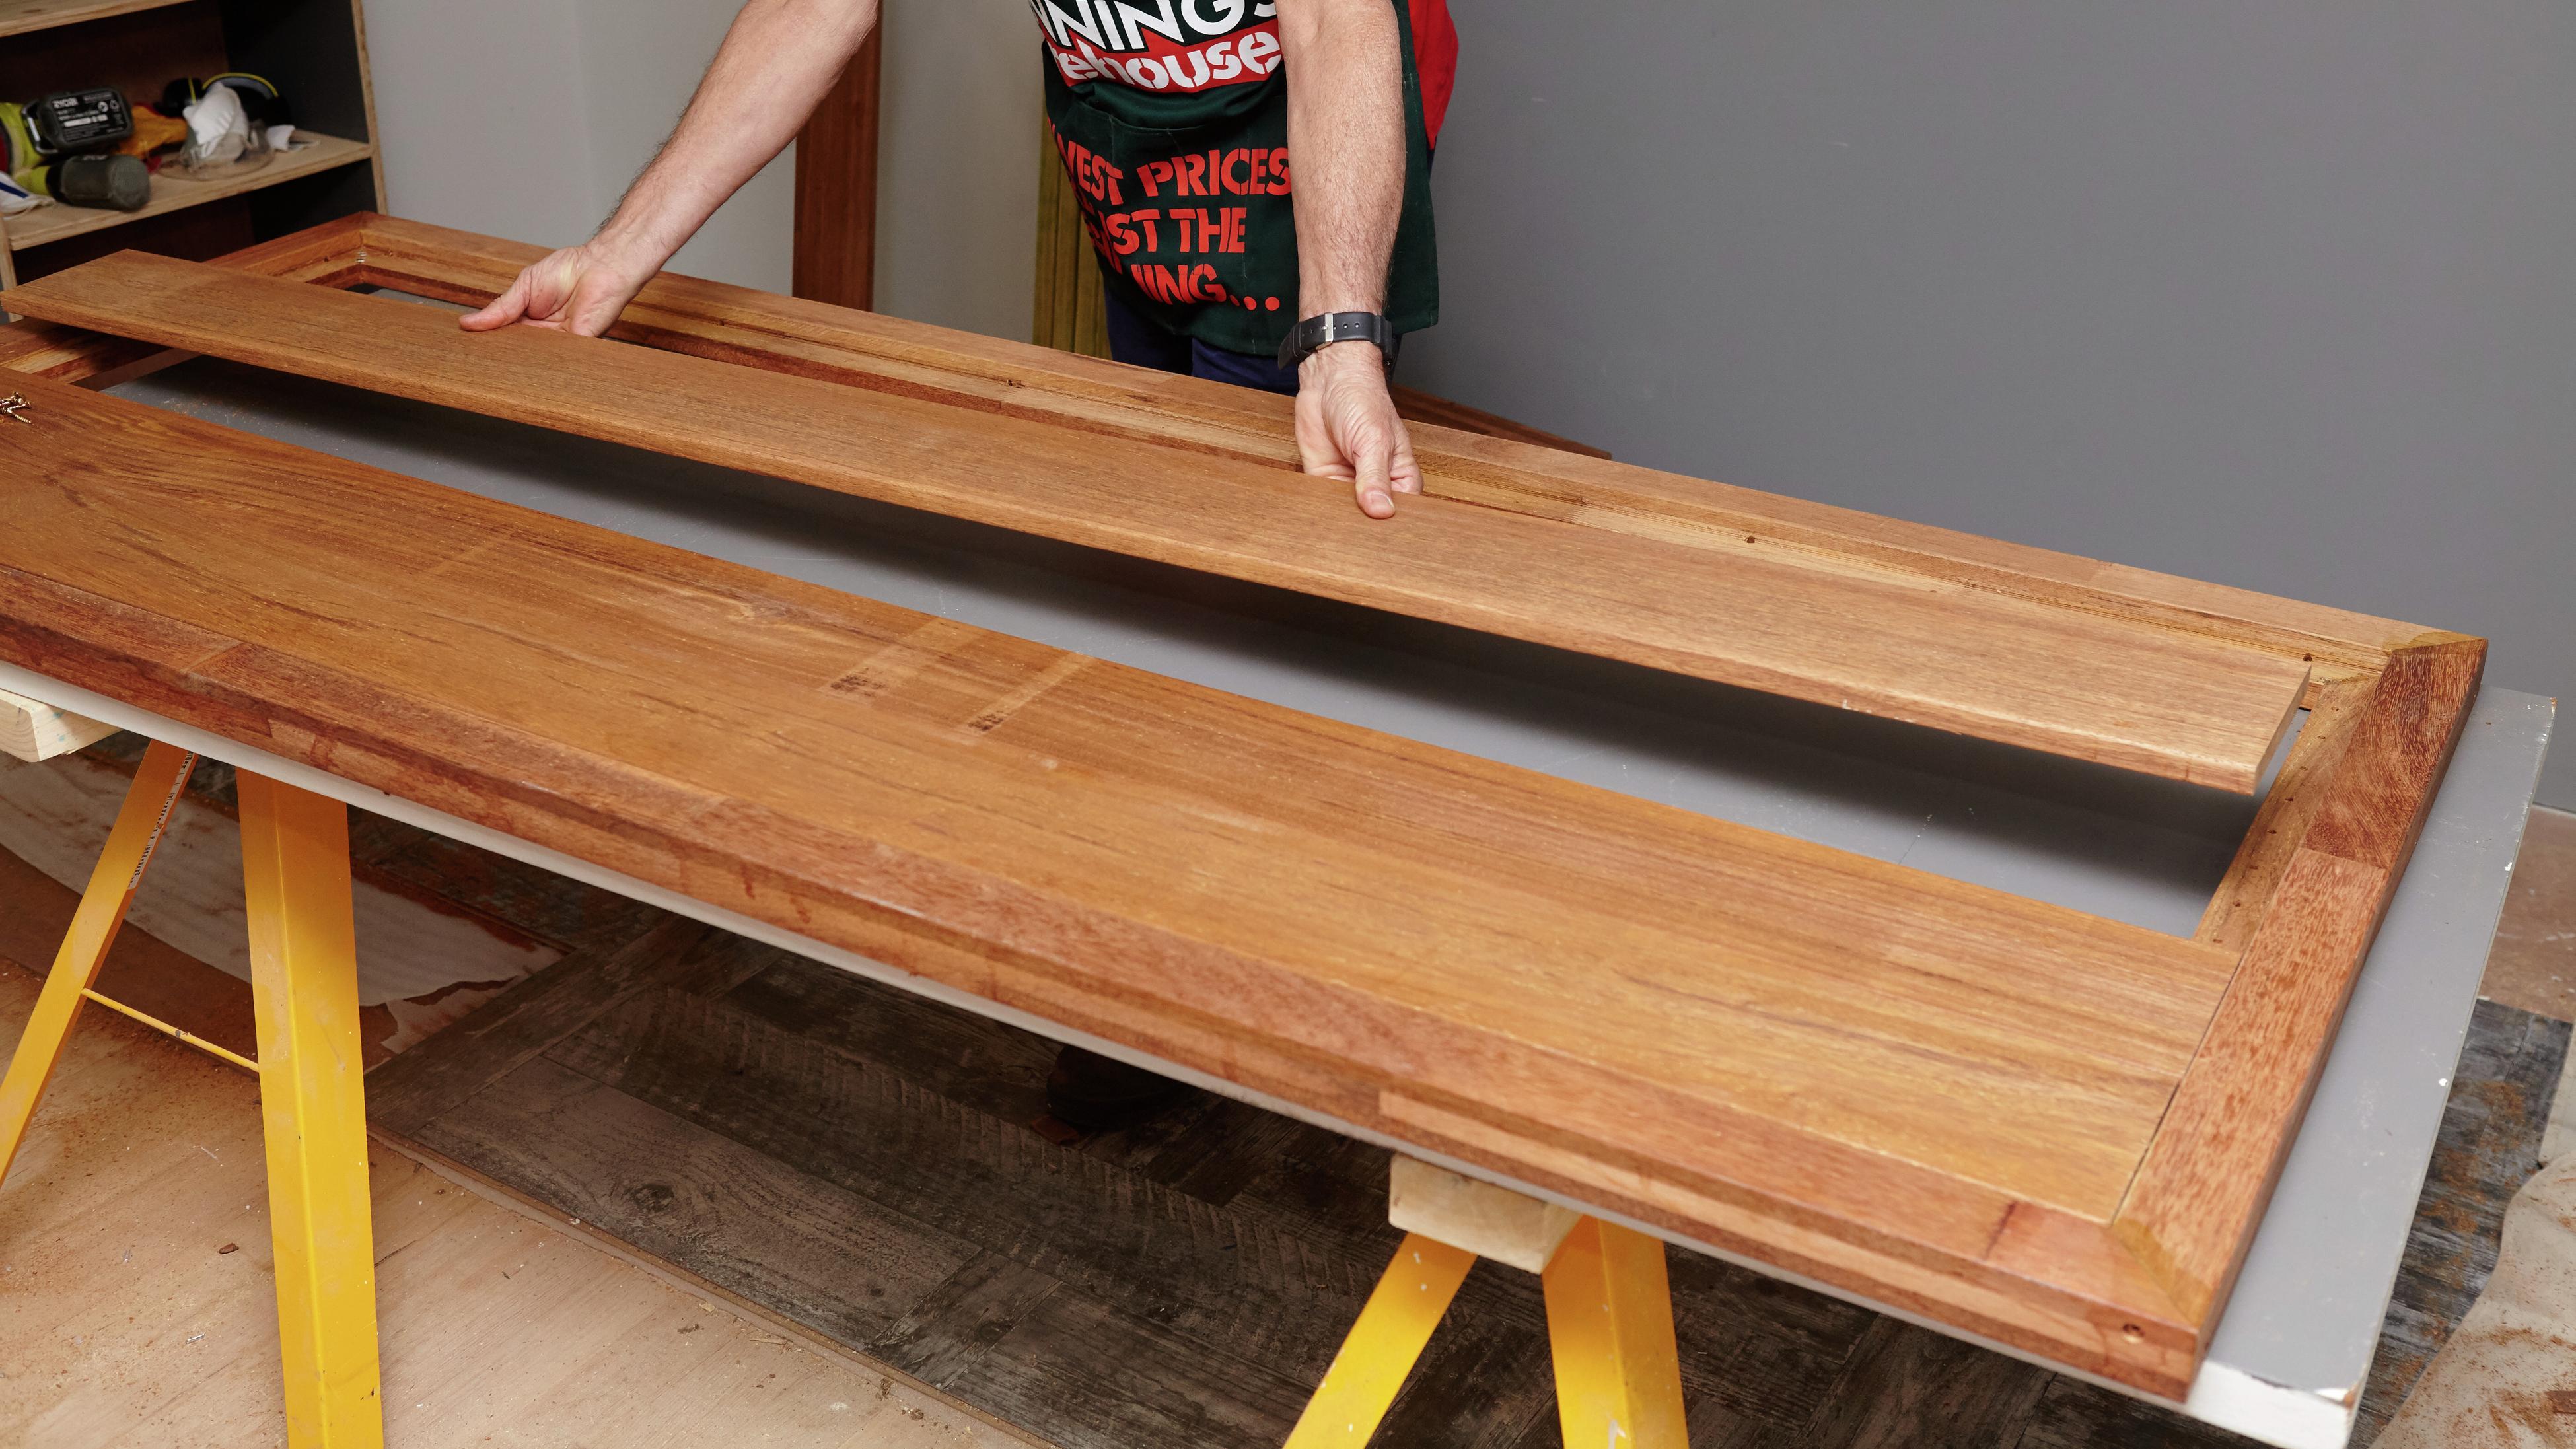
(172, 193)
(18, 17)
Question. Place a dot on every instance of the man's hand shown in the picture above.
(1346, 128)
(576, 289)
(1347, 427)
(777, 60)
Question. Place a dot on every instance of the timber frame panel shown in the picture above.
(2134, 1299)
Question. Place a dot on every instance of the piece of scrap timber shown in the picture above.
(1465, 1212)
(2117, 691)
(31, 731)
(1505, 968)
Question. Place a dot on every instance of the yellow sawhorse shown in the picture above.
(304, 993)
(1609, 1314)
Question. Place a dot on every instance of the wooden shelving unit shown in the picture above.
(170, 192)
(17, 17)
(313, 50)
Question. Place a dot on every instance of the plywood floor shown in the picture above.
(136, 1305)
(871, 1168)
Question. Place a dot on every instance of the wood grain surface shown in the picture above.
(834, 258)
(2189, 1215)
(1382, 931)
(1764, 1005)
(1930, 652)
(783, 334)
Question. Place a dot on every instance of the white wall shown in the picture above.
(527, 119)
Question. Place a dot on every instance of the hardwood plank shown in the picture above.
(781, 334)
(1937, 654)
(2401, 745)
(2211, 1170)
(94, 359)
(2202, 1186)
(1143, 732)
(2281, 823)
(1384, 932)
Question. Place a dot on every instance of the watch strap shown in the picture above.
(1317, 333)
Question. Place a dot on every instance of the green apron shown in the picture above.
(1188, 196)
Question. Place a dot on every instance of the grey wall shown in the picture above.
(957, 179)
(2277, 294)
(527, 119)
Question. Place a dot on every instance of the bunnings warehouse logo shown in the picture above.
(1165, 45)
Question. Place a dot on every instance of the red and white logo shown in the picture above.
(1161, 45)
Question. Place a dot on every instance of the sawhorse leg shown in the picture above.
(139, 823)
(1609, 1315)
(313, 1110)
(304, 991)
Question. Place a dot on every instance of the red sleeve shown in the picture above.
(1435, 60)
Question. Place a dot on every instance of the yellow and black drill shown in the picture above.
(64, 146)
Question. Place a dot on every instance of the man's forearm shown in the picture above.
(778, 60)
(1346, 139)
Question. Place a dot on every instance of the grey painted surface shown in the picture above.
(2307, 1310)
(2272, 294)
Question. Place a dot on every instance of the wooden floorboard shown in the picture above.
(1177, 1285)
(137, 1312)
(2077, 683)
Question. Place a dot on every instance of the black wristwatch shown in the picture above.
(1317, 333)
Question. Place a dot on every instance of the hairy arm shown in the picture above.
(778, 59)
(1346, 138)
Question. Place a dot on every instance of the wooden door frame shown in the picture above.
(836, 186)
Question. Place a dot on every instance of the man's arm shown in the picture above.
(1346, 137)
(777, 61)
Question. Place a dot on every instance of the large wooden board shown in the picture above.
(1936, 652)
(2134, 1297)
(1921, 1090)
(890, 354)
